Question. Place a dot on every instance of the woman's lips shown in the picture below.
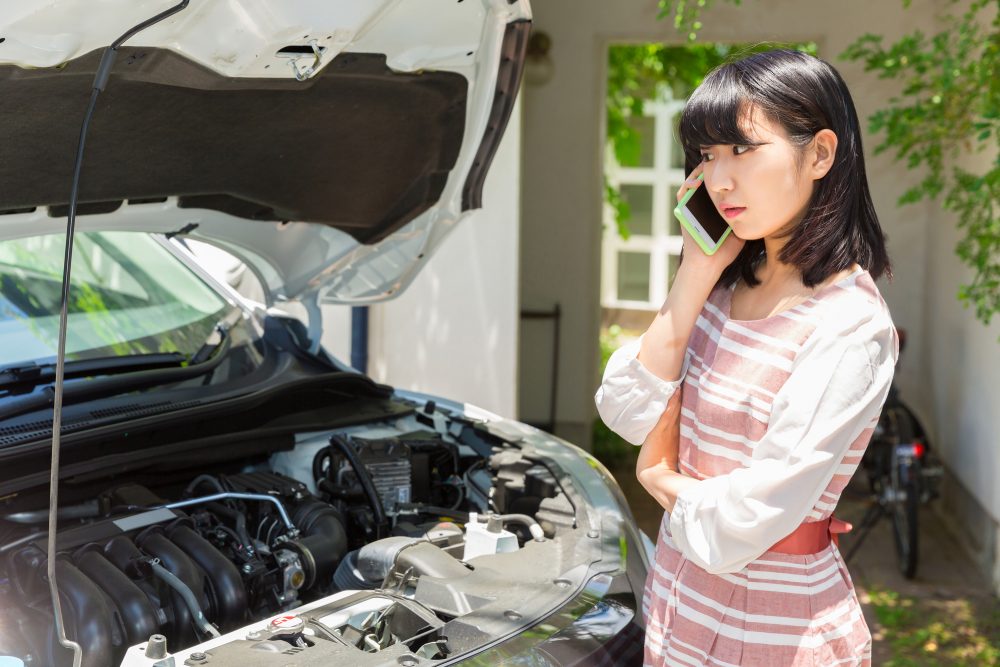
(733, 211)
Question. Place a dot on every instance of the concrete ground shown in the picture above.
(945, 574)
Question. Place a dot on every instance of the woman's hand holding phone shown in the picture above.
(665, 343)
(709, 266)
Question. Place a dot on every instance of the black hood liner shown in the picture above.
(357, 147)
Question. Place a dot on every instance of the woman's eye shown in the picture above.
(737, 149)
(705, 157)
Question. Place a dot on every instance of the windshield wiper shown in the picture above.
(125, 380)
(26, 376)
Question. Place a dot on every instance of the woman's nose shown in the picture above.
(720, 179)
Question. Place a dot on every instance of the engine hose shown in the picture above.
(317, 465)
(182, 589)
(240, 520)
(86, 510)
(155, 543)
(204, 479)
(525, 520)
(347, 449)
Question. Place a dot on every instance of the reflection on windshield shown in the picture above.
(129, 295)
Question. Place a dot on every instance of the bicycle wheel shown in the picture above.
(904, 498)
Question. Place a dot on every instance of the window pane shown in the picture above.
(129, 295)
(676, 149)
(633, 276)
(642, 155)
(640, 202)
(673, 226)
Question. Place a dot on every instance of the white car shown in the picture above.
(230, 494)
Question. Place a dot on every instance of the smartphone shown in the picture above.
(700, 217)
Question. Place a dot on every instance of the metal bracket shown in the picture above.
(308, 71)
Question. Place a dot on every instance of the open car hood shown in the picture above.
(329, 145)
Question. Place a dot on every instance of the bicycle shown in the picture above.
(902, 475)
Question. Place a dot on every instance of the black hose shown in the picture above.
(240, 520)
(317, 465)
(204, 479)
(172, 557)
(347, 449)
(88, 509)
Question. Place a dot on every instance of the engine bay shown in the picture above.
(401, 538)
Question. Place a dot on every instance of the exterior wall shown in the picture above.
(453, 332)
(963, 362)
(944, 373)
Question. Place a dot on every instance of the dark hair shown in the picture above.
(804, 95)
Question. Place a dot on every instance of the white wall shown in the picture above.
(963, 363)
(453, 332)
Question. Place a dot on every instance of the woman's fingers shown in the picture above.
(691, 182)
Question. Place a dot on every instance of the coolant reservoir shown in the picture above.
(487, 538)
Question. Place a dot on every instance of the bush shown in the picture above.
(608, 447)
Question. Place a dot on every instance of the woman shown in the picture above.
(755, 390)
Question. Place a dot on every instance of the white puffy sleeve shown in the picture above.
(835, 392)
(632, 398)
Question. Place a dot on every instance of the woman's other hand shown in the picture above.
(661, 446)
(657, 466)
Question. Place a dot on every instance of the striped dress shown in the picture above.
(775, 417)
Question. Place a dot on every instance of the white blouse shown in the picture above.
(838, 383)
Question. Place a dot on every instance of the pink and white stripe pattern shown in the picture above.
(710, 599)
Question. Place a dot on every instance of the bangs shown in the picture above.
(719, 112)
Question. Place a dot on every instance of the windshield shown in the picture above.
(129, 295)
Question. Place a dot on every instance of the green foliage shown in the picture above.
(687, 14)
(949, 108)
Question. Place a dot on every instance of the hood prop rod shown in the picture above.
(100, 81)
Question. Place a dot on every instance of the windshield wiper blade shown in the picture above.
(108, 386)
(26, 376)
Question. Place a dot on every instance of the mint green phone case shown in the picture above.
(700, 236)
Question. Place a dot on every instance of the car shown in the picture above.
(229, 492)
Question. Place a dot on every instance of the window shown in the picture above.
(636, 272)
(128, 295)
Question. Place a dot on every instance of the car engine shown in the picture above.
(340, 514)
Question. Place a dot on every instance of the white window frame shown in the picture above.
(660, 245)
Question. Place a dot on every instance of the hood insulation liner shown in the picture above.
(357, 147)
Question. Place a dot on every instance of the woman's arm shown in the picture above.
(656, 467)
(820, 421)
(634, 391)
(665, 341)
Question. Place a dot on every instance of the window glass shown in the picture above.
(645, 128)
(128, 295)
(640, 202)
(633, 276)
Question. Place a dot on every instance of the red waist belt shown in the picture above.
(812, 537)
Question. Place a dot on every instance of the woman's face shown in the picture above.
(766, 181)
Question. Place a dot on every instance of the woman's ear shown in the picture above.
(824, 150)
